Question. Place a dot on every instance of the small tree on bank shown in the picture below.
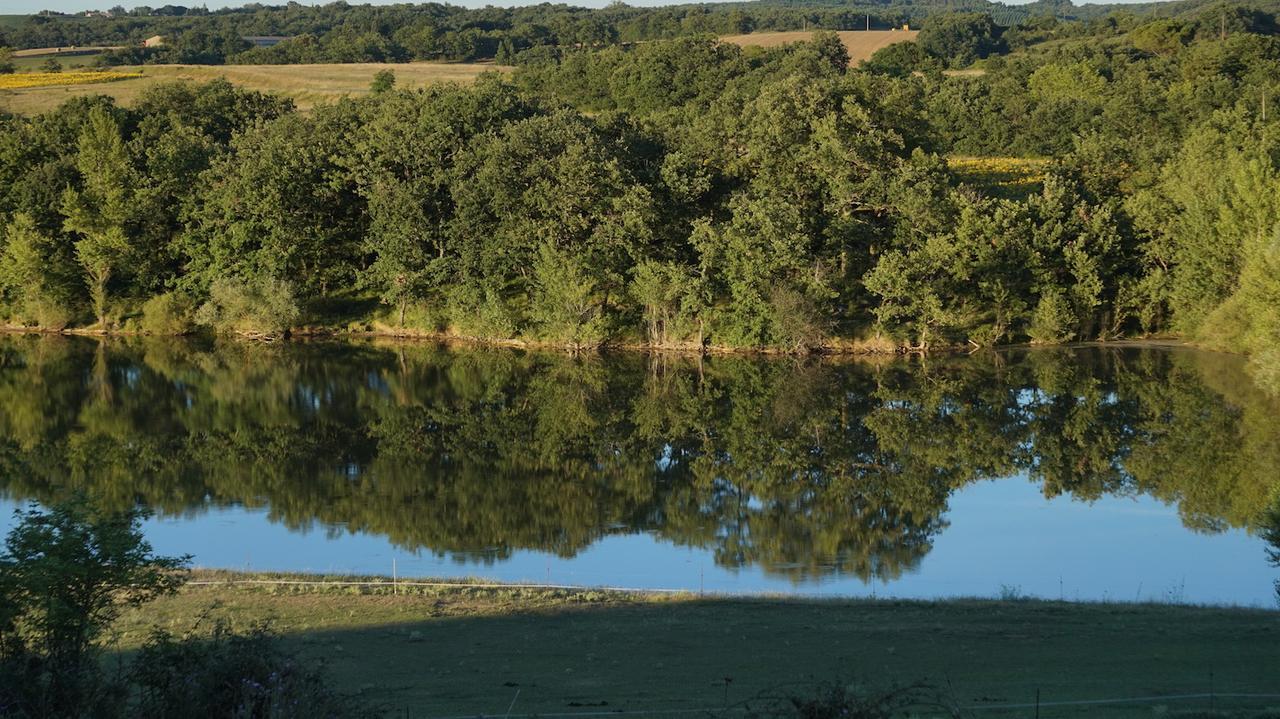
(65, 576)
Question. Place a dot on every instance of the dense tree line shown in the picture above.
(801, 468)
(679, 193)
(339, 32)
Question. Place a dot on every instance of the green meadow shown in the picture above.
(443, 651)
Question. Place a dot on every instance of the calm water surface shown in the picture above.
(1115, 473)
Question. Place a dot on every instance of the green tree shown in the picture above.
(65, 575)
(280, 207)
(1271, 535)
(960, 38)
(31, 280)
(404, 267)
(383, 81)
(101, 211)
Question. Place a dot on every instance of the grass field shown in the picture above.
(32, 63)
(862, 44)
(306, 84)
(431, 652)
(63, 52)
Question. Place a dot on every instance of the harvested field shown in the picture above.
(862, 44)
(305, 84)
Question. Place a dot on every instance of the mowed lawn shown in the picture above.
(449, 652)
(862, 44)
(306, 84)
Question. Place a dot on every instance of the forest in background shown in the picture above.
(688, 193)
(342, 32)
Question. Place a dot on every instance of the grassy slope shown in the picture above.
(861, 44)
(444, 652)
(34, 62)
(306, 84)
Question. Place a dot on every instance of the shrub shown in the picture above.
(843, 701)
(481, 313)
(565, 304)
(228, 674)
(65, 574)
(170, 313)
(383, 81)
(1052, 321)
(797, 325)
(259, 308)
(48, 313)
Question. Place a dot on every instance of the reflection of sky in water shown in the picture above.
(1001, 534)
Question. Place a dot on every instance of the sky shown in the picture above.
(20, 7)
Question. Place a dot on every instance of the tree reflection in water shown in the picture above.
(804, 468)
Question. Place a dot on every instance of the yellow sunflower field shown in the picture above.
(24, 80)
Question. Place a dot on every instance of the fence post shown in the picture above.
(1213, 700)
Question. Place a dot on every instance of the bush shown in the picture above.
(481, 313)
(226, 674)
(797, 324)
(843, 701)
(170, 313)
(1052, 321)
(565, 306)
(65, 574)
(48, 313)
(258, 308)
(383, 81)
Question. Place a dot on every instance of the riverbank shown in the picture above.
(835, 347)
(435, 651)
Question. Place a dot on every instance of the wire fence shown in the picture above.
(1213, 701)
(396, 584)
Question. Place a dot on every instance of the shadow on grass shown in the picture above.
(437, 656)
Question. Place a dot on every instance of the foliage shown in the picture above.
(65, 575)
(960, 38)
(566, 299)
(232, 674)
(100, 214)
(901, 59)
(1052, 321)
(1271, 535)
(28, 278)
(170, 313)
(257, 308)
(383, 81)
(850, 701)
(692, 192)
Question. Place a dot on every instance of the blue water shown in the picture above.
(1004, 537)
